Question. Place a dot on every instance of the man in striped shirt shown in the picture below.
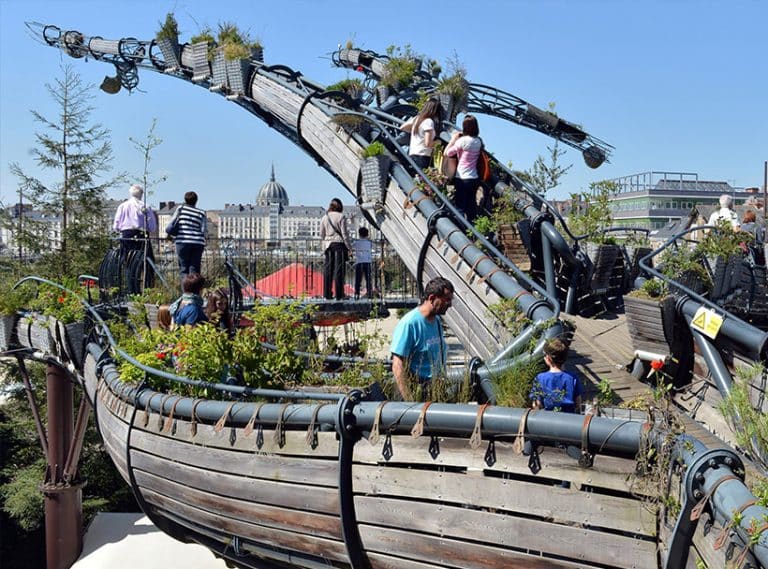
(190, 239)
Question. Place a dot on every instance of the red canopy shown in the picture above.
(294, 281)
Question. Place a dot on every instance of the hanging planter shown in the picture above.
(238, 74)
(7, 328)
(68, 340)
(201, 67)
(374, 170)
(171, 52)
(219, 69)
(168, 42)
(603, 257)
(34, 333)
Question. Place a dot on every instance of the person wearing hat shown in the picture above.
(134, 220)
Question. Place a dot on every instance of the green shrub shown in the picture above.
(374, 149)
(169, 29)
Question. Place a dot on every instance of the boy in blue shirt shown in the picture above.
(556, 390)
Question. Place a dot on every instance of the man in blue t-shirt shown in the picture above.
(556, 390)
(418, 344)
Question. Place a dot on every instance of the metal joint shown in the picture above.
(694, 475)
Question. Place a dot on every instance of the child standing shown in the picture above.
(556, 390)
(362, 249)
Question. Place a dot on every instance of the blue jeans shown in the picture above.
(190, 257)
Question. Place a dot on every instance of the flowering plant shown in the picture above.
(61, 305)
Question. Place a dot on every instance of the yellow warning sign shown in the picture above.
(707, 321)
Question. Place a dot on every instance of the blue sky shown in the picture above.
(679, 86)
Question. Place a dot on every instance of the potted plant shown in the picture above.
(168, 41)
(644, 317)
(11, 302)
(374, 169)
(636, 246)
(400, 68)
(724, 254)
(201, 47)
(238, 50)
(349, 54)
(354, 88)
(590, 218)
(66, 322)
(452, 90)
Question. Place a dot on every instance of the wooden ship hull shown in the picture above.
(267, 494)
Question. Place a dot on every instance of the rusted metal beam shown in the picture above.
(63, 500)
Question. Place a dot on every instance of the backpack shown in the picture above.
(483, 166)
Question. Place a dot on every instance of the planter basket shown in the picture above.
(603, 261)
(645, 324)
(382, 94)
(633, 256)
(69, 341)
(171, 51)
(375, 173)
(152, 311)
(350, 56)
(201, 67)
(33, 332)
(451, 105)
(726, 275)
(238, 74)
(219, 68)
(513, 246)
(7, 329)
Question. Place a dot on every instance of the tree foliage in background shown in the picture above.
(73, 155)
(22, 471)
(72, 158)
(546, 172)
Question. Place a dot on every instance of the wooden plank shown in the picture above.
(540, 500)
(309, 523)
(703, 545)
(271, 467)
(236, 439)
(381, 561)
(607, 472)
(454, 553)
(318, 546)
(276, 493)
(505, 531)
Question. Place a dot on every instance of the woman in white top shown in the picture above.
(424, 129)
(466, 146)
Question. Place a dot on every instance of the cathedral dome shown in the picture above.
(272, 192)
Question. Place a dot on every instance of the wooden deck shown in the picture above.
(602, 349)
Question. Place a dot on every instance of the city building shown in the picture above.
(273, 221)
(653, 200)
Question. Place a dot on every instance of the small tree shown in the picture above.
(77, 153)
(546, 172)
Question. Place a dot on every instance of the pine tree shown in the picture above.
(73, 156)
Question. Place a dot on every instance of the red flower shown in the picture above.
(262, 338)
(657, 364)
(161, 355)
(359, 68)
(62, 299)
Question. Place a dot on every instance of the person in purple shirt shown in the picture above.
(135, 221)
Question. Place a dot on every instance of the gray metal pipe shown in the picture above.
(614, 437)
(715, 363)
(751, 338)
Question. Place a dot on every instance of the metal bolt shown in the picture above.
(729, 461)
(697, 494)
(349, 428)
(699, 477)
(347, 411)
(711, 463)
